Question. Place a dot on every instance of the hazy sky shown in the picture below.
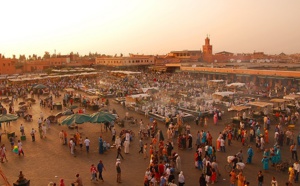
(148, 26)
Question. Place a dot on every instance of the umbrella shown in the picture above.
(22, 103)
(101, 117)
(39, 86)
(8, 117)
(73, 107)
(59, 115)
(76, 118)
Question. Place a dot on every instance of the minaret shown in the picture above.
(207, 50)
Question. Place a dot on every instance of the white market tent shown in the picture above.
(139, 95)
(235, 85)
(228, 93)
(292, 97)
(125, 72)
(216, 81)
(260, 104)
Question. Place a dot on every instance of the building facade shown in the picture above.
(131, 60)
(7, 66)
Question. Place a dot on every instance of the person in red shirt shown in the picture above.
(161, 168)
(93, 171)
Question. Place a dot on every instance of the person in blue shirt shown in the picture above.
(250, 154)
(100, 168)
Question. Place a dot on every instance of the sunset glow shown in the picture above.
(148, 27)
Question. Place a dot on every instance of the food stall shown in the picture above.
(223, 96)
(261, 109)
(238, 108)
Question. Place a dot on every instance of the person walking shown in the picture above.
(61, 182)
(100, 168)
(145, 151)
(61, 137)
(274, 182)
(22, 130)
(78, 180)
(93, 171)
(65, 137)
(126, 147)
(141, 144)
(3, 154)
(87, 144)
(291, 173)
(293, 149)
(233, 178)
(113, 133)
(296, 167)
(80, 142)
(32, 133)
(265, 162)
(241, 179)
(260, 178)
(181, 179)
(202, 181)
(118, 168)
(72, 146)
(119, 153)
(20, 149)
(222, 145)
(250, 155)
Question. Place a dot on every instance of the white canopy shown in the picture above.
(139, 95)
(292, 97)
(125, 72)
(223, 93)
(235, 85)
(216, 81)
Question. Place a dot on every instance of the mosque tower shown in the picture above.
(207, 50)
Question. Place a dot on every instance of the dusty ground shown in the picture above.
(47, 160)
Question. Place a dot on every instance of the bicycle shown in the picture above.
(228, 167)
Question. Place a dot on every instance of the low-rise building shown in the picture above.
(131, 60)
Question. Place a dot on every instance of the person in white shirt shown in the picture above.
(222, 145)
(20, 148)
(87, 144)
(296, 167)
(181, 179)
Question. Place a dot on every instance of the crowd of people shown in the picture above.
(165, 167)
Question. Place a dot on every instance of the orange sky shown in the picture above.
(148, 27)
